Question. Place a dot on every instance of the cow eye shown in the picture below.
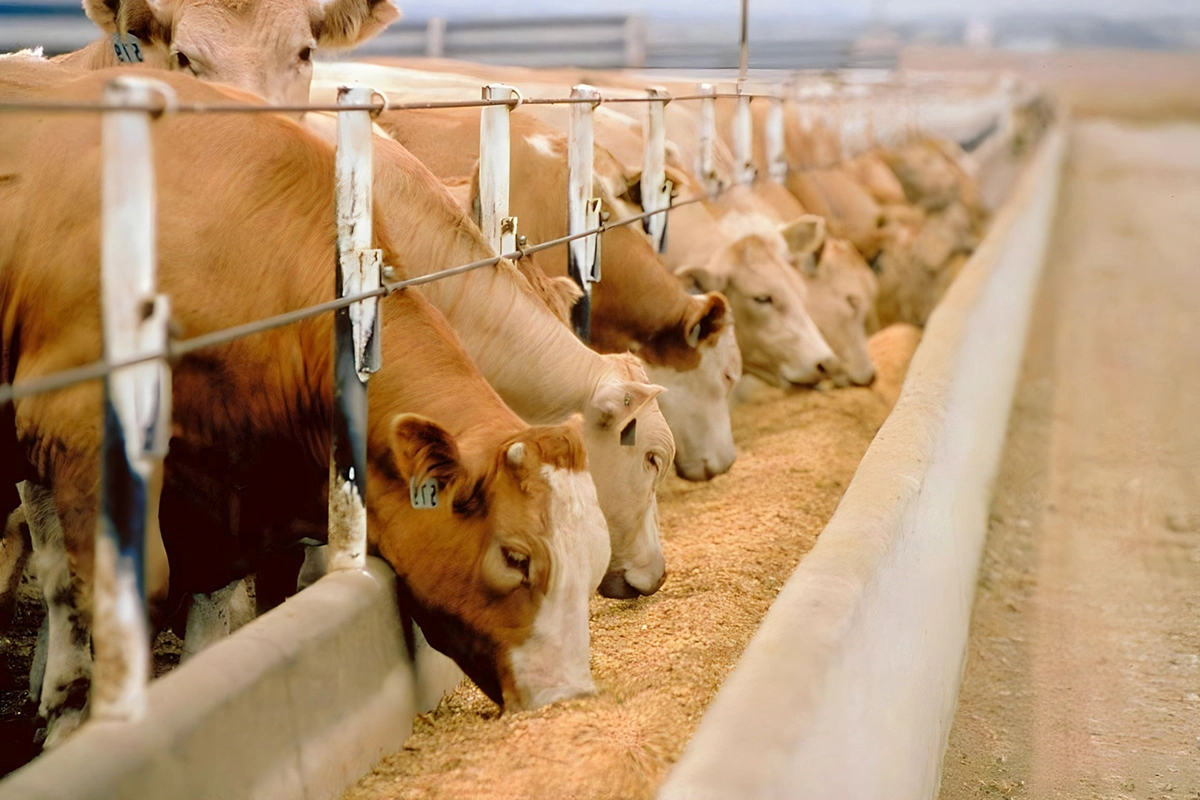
(764, 299)
(518, 561)
(306, 54)
(183, 62)
(853, 301)
(655, 461)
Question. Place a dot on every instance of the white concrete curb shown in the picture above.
(848, 689)
(299, 703)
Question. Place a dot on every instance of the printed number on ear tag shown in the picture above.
(127, 48)
(424, 496)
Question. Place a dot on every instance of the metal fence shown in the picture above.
(138, 347)
(598, 42)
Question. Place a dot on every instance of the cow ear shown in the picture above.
(706, 317)
(633, 188)
(700, 280)
(148, 20)
(804, 238)
(342, 24)
(616, 403)
(422, 449)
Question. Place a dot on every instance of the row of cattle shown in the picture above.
(545, 453)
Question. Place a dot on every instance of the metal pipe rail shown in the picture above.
(158, 109)
(138, 349)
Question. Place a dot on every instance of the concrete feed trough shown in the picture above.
(848, 689)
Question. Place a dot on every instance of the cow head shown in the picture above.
(629, 447)
(841, 295)
(698, 362)
(497, 550)
(261, 46)
(779, 342)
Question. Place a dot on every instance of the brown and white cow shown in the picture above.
(264, 47)
(498, 574)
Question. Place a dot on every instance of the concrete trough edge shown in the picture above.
(299, 704)
(848, 689)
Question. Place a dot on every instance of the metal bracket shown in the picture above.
(362, 271)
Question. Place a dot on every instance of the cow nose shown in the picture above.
(829, 367)
(615, 587)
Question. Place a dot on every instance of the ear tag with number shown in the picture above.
(127, 48)
(424, 496)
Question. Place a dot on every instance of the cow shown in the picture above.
(687, 343)
(264, 47)
(497, 570)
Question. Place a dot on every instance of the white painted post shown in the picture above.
(743, 139)
(708, 137)
(495, 156)
(655, 188)
(774, 141)
(356, 335)
(435, 37)
(583, 208)
(137, 402)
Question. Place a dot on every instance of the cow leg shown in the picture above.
(315, 566)
(37, 670)
(214, 616)
(68, 661)
(14, 553)
(15, 548)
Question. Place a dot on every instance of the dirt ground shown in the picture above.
(658, 661)
(1083, 675)
(17, 714)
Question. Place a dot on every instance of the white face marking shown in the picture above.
(543, 144)
(554, 663)
(696, 405)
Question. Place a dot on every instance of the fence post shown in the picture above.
(435, 37)
(583, 209)
(356, 337)
(655, 188)
(495, 156)
(137, 402)
(708, 137)
(777, 165)
(743, 138)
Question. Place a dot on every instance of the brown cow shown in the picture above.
(498, 574)
(261, 46)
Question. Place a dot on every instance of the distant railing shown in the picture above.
(595, 42)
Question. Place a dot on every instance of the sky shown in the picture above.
(854, 9)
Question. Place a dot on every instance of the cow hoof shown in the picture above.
(60, 728)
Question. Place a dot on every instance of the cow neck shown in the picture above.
(638, 301)
(425, 371)
(536, 364)
(694, 235)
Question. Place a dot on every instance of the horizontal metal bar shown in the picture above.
(158, 109)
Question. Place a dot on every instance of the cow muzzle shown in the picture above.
(617, 585)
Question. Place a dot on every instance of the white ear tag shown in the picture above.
(127, 48)
(424, 496)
